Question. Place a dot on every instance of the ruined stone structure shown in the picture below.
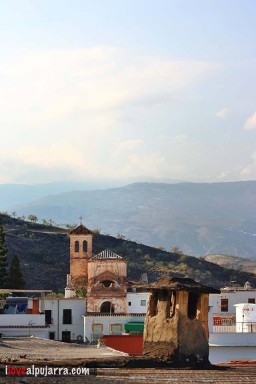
(101, 277)
(176, 324)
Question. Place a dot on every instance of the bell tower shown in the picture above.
(80, 253)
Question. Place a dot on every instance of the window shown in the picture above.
(107, 283)
(224, 305)
(66, 336)
(153, 304)
(67, 316)
(97, 330)
(129, 303)
(170, 307)
(52, 335)
(85, 246)
(77, 246)
(251, 301)
(107, 307)
(143, 303)
(192, 305)
(48, 316)
(116, 329)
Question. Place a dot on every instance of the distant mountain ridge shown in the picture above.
(199, 218)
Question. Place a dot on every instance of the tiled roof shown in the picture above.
(106, 254)
(81, 230)
(180, 284)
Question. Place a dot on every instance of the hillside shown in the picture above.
(233, 262)
(198, 218)
(44, 254)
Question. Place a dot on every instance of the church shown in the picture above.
(100, 278)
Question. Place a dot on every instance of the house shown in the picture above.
(23, 316)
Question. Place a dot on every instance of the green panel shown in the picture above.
(134, 326)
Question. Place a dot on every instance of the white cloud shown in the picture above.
(65, 109)
(223, 175)
(126, 146)
(250, 123)
(44, 86)
(249, 171)
(222, 113)
(180, 139)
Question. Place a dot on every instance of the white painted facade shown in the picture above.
(225, 347)
(137, 302)
(234, 337)
(23, 325)
(98, 325)
(72, 323)
(234, 296)
(82, 326)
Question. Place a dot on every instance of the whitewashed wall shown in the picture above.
(236, 297)
(135, 298)
(78, 310)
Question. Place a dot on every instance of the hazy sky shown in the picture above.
(127, 89)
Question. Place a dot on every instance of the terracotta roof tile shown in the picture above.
(180, 284)
(81, 230)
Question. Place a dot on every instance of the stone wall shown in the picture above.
(169, 333)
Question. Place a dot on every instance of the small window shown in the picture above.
(129, 303)
(116, 329)
(76, 246)
(107, 307)
(97, 330)
(52, 335)
(192, 305)
(251, 301)
(153, 304)
(107, 283)
(143, 303)
(224, 305)
(170, 307)
(48, 316)
(85, 246)
(67, 316)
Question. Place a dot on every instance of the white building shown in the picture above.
(23, 316)
(64, 318)
(232, 337)
(223, 304)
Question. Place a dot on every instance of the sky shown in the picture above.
(127, 90)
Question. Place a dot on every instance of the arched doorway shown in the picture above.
(107, 307)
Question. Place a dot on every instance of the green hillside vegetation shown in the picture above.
(44, 255)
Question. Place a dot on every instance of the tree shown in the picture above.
(3, 259)
(32, 218)
(16, 279)
(96, 231)
(175, 249)
(120, 236)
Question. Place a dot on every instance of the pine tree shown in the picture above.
(3, 259)
(16, 279)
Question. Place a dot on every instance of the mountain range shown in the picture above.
(198, 218)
